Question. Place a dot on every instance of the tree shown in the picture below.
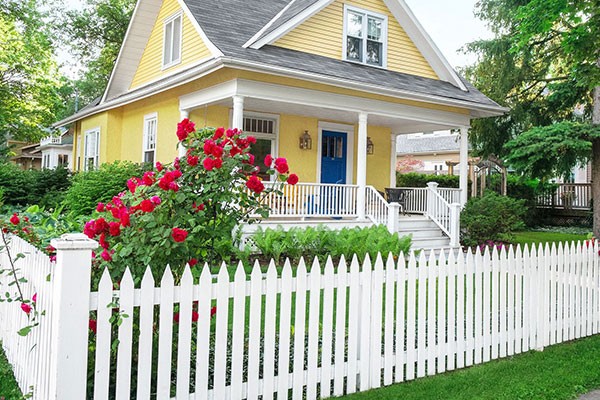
(29, 78)
(543, 64)
(95, 35)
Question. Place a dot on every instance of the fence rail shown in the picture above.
(568, 196)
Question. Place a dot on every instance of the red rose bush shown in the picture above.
(187, 211)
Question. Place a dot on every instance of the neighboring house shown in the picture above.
(57, 150)
(438, 151)
(26, 155)
(352, 75)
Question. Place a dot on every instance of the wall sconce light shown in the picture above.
(305, 141)
(370, 146)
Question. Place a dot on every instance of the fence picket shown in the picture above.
(479, 313)
(469, 309)
(254, 335)
(299, 331)
(313, 329)
(340, 327)
(390, 277)
(376, 325)
(401, 303)
(238, 332)
(456, 331)
(431, 313)
(203, 326)
(364, 329)
(285, 326)
(327, 341)
(270, 320)
(184, 342)
(165, 336)
(103, 335)
(495, 295)
(144, 375)
(125, 334)
(411, 318)
(441, 331)
(422, 317)
(487, 304)
(511, 301)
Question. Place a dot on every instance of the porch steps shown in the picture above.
(425, 233)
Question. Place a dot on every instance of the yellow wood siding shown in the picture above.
(193, 47)
(322, 34)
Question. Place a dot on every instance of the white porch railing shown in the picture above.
(313, 200)
(445, 215)
(568, 196)
(376, 207)
(416, 198)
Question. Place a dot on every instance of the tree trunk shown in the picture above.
(596, 164)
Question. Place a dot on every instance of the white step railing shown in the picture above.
(376, 207)
(312, 200)
(445, 215)
(416, 198)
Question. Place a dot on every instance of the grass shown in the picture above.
(8, 385)
(559, 372)
(536, 237)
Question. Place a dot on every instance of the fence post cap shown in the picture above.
(394, 204)
(432, 185)
(74, 241)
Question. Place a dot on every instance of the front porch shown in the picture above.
(352, 156)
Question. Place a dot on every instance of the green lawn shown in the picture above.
(536, 237)
(559, 372)
(8, 386)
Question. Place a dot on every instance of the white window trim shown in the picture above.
(274, 142)
(168, 20)
(95, 130)
(148, 117)
(384, 34)
(349, 131)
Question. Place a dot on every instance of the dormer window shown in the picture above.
(365, 37)
(172, 41)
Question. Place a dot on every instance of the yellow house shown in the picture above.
(328, 84)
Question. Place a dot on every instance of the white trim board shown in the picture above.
(335, 127)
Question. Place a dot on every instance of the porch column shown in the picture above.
(361, 164)
(393, 158)
(238, 112)
(183, 114)
(464, 164)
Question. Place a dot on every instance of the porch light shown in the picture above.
(370, 146)
(305, 141)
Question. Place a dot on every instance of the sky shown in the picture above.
(450, 23)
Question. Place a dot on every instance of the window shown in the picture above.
(172, 41)
(63, 159)
(365, 36)
(265, 130)
(92, 149)
(150, 131)
(46, 161)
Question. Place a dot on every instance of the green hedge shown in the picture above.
(21, 187)
(91, 187)
(413, 179)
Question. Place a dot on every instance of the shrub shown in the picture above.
(23, 187)
(321, 242)
(417, 180)
(92, 187)
(491, 218)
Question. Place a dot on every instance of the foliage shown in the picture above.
(9, 389)
(413, 179)
(537, 237)
(95, 34)
(184, 212)
(541, 64)
(409, 164)
(29, 78)
(321, 242)
(491, 218)
(553, 150)
(22, 187)
(92, 187)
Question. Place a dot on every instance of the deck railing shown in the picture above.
(313, 200)
(568, 196)
(445, 215)
(376, 207)
(416, 198)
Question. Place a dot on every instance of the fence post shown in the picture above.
(393, 213)
(455, 224)
(70, 316)
(432, 186)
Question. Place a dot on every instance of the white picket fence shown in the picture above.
(322, 331)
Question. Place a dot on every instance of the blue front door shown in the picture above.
(333, 157)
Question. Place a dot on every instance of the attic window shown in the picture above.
(172, 41)
(365, 37)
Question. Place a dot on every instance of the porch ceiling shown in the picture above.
(280, 99)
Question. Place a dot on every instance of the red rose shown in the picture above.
(132, 184)
(268, 161)
(250, 159)
(195, 316)
(148, 178)
(178, 234)
(156, 200)
(292, 179)
(219, 133)
(217, 151)
(103, 243)
(251, 139)
(101, 226)
(124, 217)
(173, 186)
(281, 166)
(89, 229)
(208, 147)
(254, 183)
(114, 229)
(208, 164)
(93, 325)
(100, 207)
(34, 298)
(159, 166)
(213, 311)
(230, 132)
(26, 308)
(147, 206)
(176, 163)
(192, 262)
(106, 256)
(192, 160)
(15, 219)
(184, 128)
(218, 163)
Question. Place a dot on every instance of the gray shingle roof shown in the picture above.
(230, 23)
(295, 8)
(406, 144)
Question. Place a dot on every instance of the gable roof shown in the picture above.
(227, 25)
